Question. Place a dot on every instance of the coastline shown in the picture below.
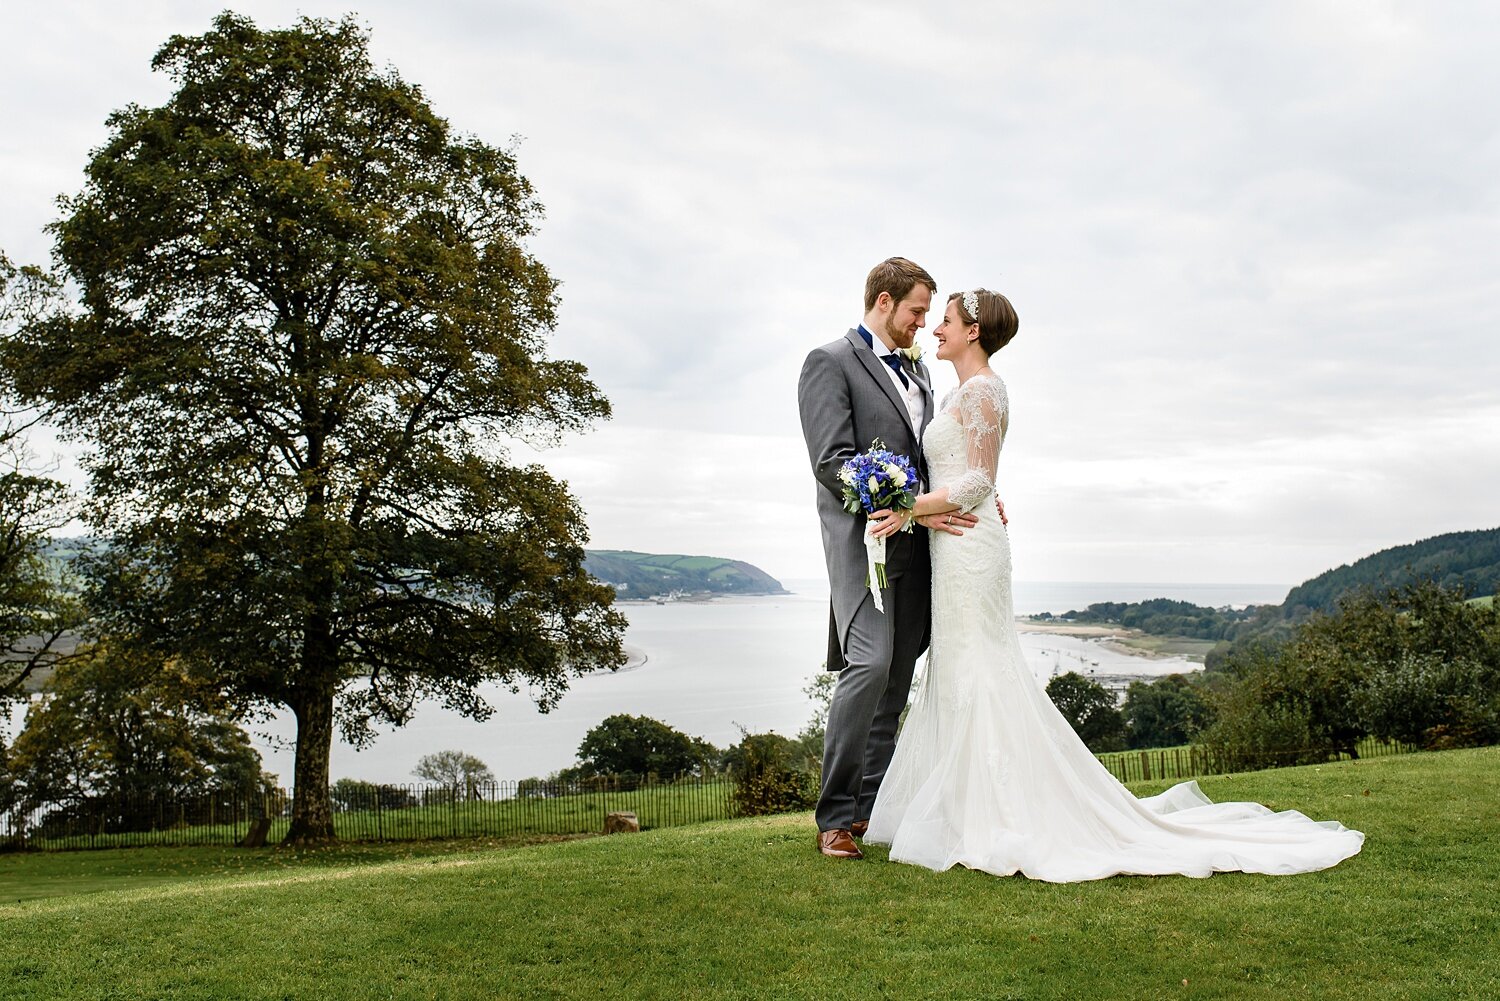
(698, 597)
(1121, 639)
(1117, 639)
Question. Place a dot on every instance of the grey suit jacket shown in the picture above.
(847, 400)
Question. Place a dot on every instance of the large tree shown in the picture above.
(462, 773)
(1165, 712)
(38, 610)
(305, 326)
(129, 732)
(1090, 708)
(640, 745)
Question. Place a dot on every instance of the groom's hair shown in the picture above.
(895, 275)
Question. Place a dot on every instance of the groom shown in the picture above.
(852, 391)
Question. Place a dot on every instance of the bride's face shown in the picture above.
(952, 334)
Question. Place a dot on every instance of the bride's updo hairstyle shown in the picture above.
(997, 317)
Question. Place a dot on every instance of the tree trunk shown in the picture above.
(312, 810)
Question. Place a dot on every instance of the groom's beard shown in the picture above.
(897, 336)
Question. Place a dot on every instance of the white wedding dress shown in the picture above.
(988, 774)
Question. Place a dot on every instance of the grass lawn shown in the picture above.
(747, 909)
(27, 876)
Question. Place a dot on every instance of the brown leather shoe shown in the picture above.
(859, 827)
(838, 843)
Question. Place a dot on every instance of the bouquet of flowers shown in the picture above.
(874, 481)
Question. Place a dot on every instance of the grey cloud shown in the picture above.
(1251, 245)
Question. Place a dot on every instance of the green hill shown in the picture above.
(1470, 560)
(1458, 559)
(634, 575)
(748, 910)
(642, 575)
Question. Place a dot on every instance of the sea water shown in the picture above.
(711, 668)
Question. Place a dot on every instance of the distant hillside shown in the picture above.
(634, 575)
(641, 575)
(1467, 559)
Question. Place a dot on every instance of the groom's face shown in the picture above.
(908, 316)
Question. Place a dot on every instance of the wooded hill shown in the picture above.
(643, 575)
(1470, 560)
(634, 575)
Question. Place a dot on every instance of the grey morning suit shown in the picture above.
(847, 399)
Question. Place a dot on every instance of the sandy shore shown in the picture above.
(1088, 631)
(1116, 638)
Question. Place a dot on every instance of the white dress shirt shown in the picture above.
(911, 393)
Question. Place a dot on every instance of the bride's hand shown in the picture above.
(952, 522)
(886, 522)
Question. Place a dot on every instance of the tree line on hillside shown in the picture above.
(1168, 617)
(1419, 665)
(1456, 561)
(293, 319)
(1462, 562)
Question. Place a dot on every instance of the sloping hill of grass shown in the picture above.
(746, 909)
(644, 574)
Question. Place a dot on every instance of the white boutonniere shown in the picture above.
(912, 354)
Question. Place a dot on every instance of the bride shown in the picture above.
(987, 773)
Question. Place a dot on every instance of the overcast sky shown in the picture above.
(1255, 247)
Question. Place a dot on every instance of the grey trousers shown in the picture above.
(881, 653)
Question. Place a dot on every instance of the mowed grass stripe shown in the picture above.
(746, 909)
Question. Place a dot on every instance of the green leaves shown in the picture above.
(305, 315)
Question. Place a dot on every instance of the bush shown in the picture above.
(1090, 709)
(1438, 704)
(640, 745)
(1418, 665)
(1164, 713)
(349, 795)
(1252, 731)
(809, 744)
(125, 734)
(767, 776)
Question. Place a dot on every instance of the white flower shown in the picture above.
(898, 477)
(874, 484)
(913, 353)
(847, 476)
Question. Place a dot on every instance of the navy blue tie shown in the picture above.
(892, 359)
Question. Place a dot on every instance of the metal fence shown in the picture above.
(366, 811)
(1195, 761)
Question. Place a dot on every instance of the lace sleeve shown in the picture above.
(984, 412)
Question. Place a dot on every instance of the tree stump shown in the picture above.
(621, 823)
(256, 836)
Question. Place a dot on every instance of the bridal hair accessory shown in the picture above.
(913, 353)
(971, 304)
(878, 480)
